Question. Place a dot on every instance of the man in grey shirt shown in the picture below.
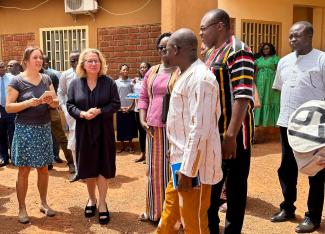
(300, 77)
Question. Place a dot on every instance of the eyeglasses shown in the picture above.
(73, 60)
(92, 62)
(162, 49)
(203, 28)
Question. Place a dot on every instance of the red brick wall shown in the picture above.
(14, 45)
(130, 45)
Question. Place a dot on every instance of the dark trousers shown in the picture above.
(56, 147)
(288, 174)
(235, 174)
(61, 139)
(7, 128)
(142, 133)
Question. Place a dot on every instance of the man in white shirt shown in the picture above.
(7, 125)
(64, 83)
(194, 139)
(300, 77)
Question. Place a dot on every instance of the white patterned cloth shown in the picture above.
(192, 127)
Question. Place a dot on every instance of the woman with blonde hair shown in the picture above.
(92, 101)
(30, 94)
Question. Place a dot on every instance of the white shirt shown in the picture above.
(64, 84)
(300, 79)
(192, 127)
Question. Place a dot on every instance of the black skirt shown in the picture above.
(126, 126)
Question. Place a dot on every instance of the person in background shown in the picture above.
(204, 51)
(7, 124)
(30, 95)
(58, 135)
(265, 68)
(194, 139)
(236, 122)
(14, 67)
(125, 117)
(65, 81)
(92, 100)
(46, 66)
(300, 77)
(157, 82)
(144, 67)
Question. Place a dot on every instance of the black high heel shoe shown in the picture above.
(103, 217)
(90, 211)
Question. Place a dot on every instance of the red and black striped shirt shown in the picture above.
(233, 65)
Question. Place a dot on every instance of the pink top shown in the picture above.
(153, 105)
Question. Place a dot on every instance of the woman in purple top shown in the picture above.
(30, 95)
(150, 102)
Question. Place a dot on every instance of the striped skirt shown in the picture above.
(158, 172)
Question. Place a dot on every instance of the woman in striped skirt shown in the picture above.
(154, 88)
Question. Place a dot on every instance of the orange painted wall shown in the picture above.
(52, 14)
(184, 13)
(278, 11)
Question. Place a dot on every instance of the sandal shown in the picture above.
(120, 150)
(90, 211)
(23, 218)
(144, 217)
(140, 159)
(47, 211)
(103, 217)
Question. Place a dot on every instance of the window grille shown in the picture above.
(58, 42)
(254, 33)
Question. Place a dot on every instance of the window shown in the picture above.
(254, 33)
(58, 42)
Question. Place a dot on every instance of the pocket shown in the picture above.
(314, 77)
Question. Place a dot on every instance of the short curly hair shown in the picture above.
(162, 36)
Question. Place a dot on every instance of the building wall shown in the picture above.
(177, 14)
(302, 13)
(52, 14)
(13, 45)
(263, 10)
(278, 11)
(131, 45)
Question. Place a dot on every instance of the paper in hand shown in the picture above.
(47, 94)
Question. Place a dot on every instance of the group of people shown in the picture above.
(195, 121)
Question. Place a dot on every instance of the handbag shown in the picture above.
(165, 107)
(54, 114)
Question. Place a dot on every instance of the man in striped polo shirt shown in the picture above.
(232, 63)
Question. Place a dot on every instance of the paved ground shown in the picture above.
(126, 199)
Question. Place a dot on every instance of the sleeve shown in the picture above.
(276, 59)
(144, 97)
(115, 102)
(73, 110)
(202, 103)
(278, 82)
(62, 90)
(14, 83)
(241, 74)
